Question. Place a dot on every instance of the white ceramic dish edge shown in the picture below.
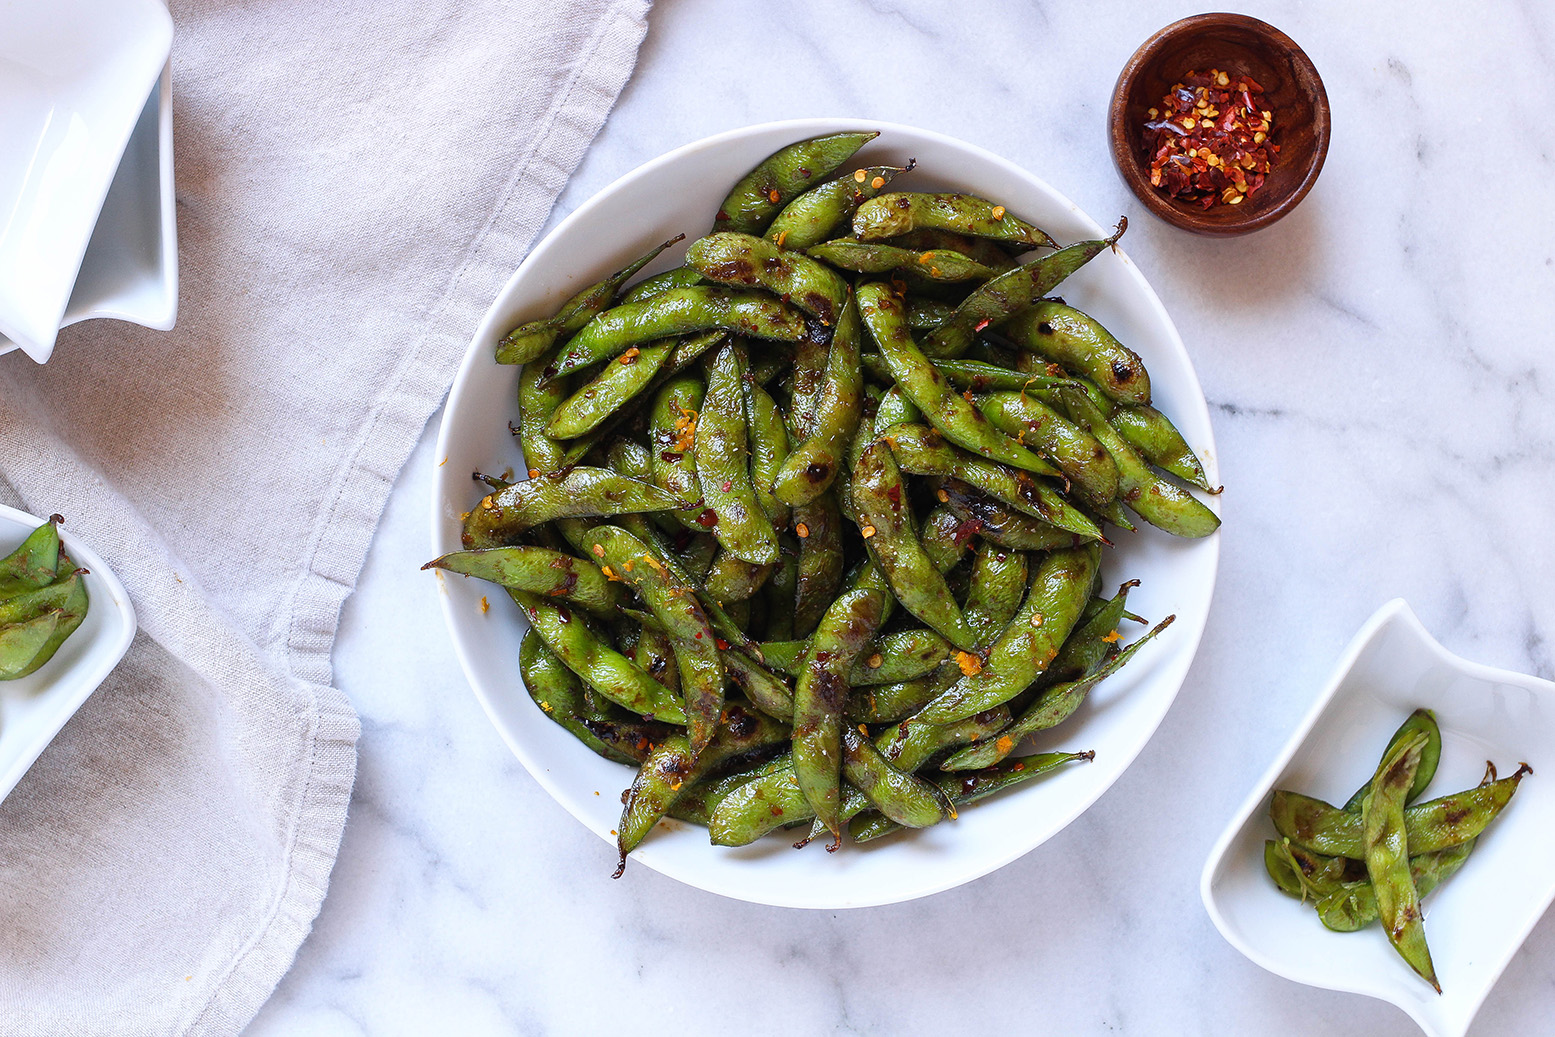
(1175, 668)
(1436, 1015)
(59, 687)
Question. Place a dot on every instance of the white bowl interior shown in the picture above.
(35, 707)
(1478, 918)
(678, 193)
(74, 77)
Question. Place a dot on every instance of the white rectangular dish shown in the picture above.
(35, 707)
(75, 76)
(1479, 917)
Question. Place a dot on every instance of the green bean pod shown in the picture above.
(672, 433)
(956, 418)
(1159, 502)
(559, 694)
(781, 177)
(579, 492)
(968, 787)
(818, 524)
(675, 606)
(886, 522)
(539, 571)
(750, 262)
(897, 213)
(1387, 857)
(997, 300)
(723, 464)
(919, 449)
(866, 257)
(603, 668)
(678, 311)
(617, 384)
(819, 696)
(1074, 340)
(905, 799)
(1077, 453)
(1059, 588)
(836, 404)
(528, 341)
(814, 216)
(1433, 825)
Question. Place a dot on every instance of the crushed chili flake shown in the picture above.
(1209, 141)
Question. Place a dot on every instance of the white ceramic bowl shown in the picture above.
(1478, 918)
(74, 79)
(679, 192)
(35, 707)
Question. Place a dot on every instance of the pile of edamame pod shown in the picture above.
(813, 527)
(1377, 856)
(43, 600)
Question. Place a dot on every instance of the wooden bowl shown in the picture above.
(1236, 44)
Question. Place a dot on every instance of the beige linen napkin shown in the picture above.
(356, 181)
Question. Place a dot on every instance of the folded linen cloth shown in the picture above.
(355, 184)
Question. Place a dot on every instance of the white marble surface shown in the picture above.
(1380, 373)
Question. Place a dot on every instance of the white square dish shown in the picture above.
(35, 707)
(1478, 918)
(74, 80)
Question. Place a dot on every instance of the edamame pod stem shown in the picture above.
(837, 403)
(672, 422)
(891, 215)
(1433, 825)
(34, 561)
(674, 605)
(1001, 298)
(538, 570)
(1421, 721)
(1060, 586)
(559, 694)
(1074, 340)
(879, 258)
(671, 768)
(956, 418)
(782, 176)
(1163, 504)
(678, 311)
(905, 799)
(818, 525)
(528, 341)
(1077, 453)
(1053, 706)
(751, 262)
(977, 513)
(820, 694)
(723, 464)
(920, 450)
(1387, 857)
(579, 492)
(813, 216)
(970, 786)
(621, 381)
(886, 523)
(603, 668)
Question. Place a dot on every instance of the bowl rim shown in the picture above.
(471, 369)
(1396, 612)
(103, 655)
(1127, 163)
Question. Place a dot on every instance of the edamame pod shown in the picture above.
(837, 403)
(723, 464)
(782, 176)
(672, 423)
(1077, 453)
(579, 492)
(1387, 857)
(879, 258)
(813, 216)
(977, 513)
(752, 262)
(559, 694)
(897, 213)
(539, 571)
(617, 384)
(1063, 334)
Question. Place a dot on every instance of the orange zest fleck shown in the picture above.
(485, 605)
(969, 663)
(866, 532)
(774, 196)
(802, 529)
(629, 356)
(998, 212)
(859, 175)
(1111, 638)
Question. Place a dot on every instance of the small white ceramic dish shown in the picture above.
(679, 192)
(1478, 918)
(35, 707)
(74, 79)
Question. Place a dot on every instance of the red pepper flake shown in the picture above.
(728, 485)
(982, 324)
(1209, 140)
(721, 643)
(708, 519)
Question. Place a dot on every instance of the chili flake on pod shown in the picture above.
(1209, 140)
